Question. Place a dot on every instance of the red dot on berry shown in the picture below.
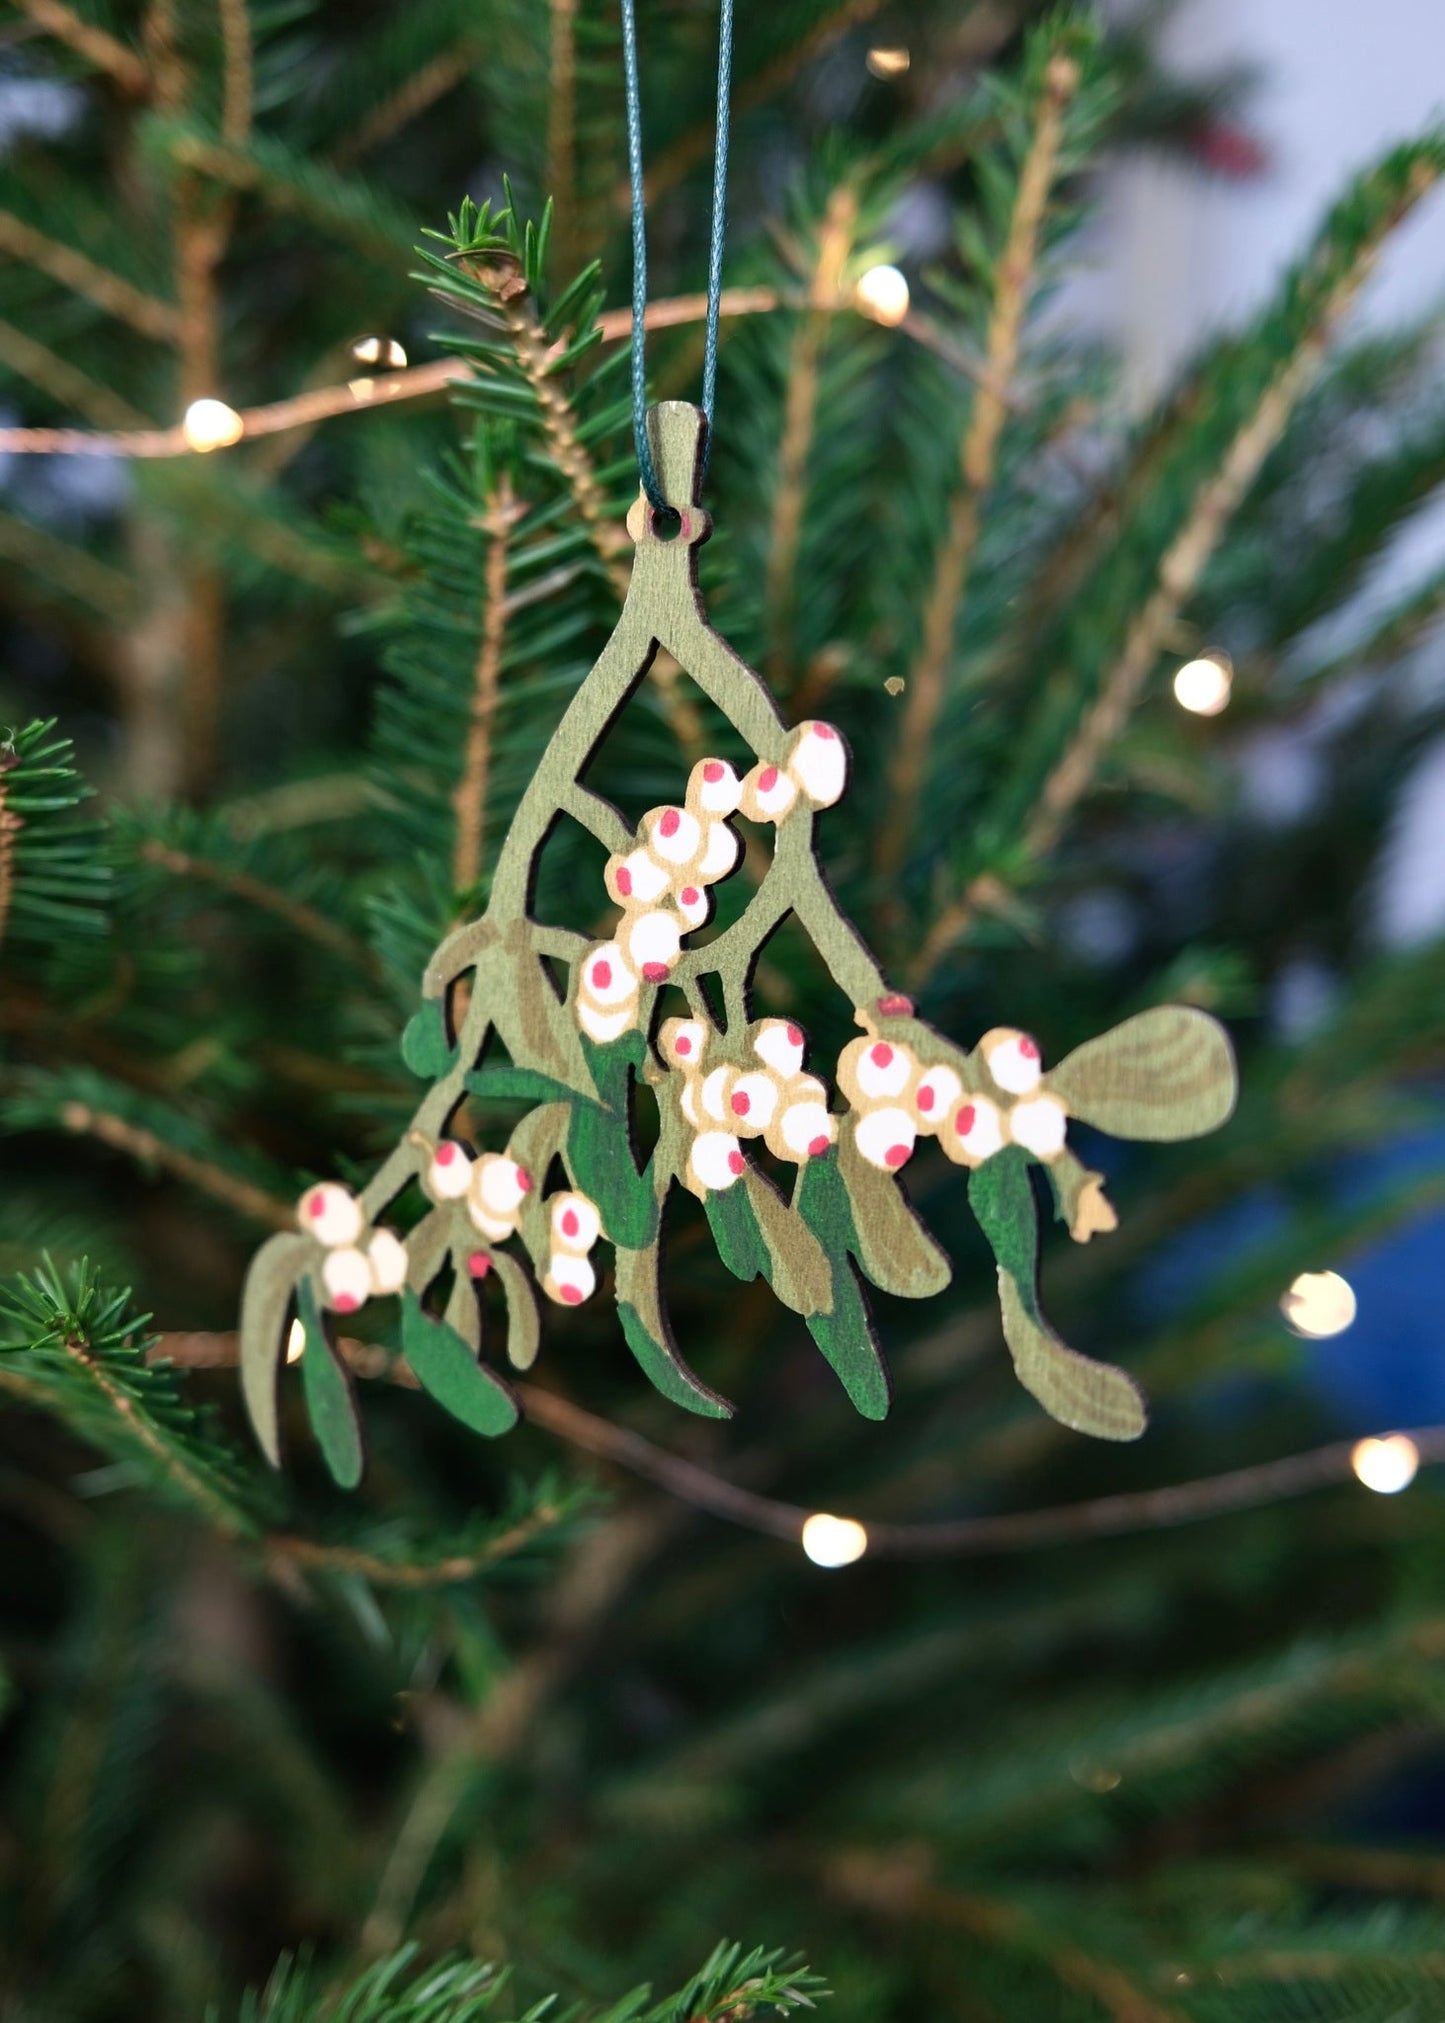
(445, 1154)
(624, 882)
(712, 772)
(479, 1264)
(819, 1144)
(572, 1294)
(316, 1206)
(670, 823)
(742, 1103)
(882, 1055)
(346, 1302)
(795, 1037)
(1028, 1048)
(897, 1155)
(736, 1162)
(602, 974)
(767, 779)
(655, 972)
(684, 1045)
(825, 731)
(690, 895)
(897, 1006)
(963, 1123)
(570, 1224)
(524, 1180)
(925, 1098)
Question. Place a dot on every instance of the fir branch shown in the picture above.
(305, 920)
(469, 800)
(238, 79)
(443, 73)
(10, 826)
(85, 277)
(30, 359)
(562, 124)
(105, 51)
(1013, 283)
(107, 591)
(151, 1150)
(449, 1570)
(835, 243)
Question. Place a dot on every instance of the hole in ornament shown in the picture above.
(558, 975)
(459, 997)
(554, 1180)
(666, 523)
(569, 885)
(710, 990)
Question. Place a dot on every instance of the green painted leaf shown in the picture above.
(330, 1394)
(1091, 1397)
(448, 1371)
(649, 1336)
(893, 1247)
(599, 1152)
(1169, 1073)
(265, 1316)
(845, 1334)
(520, 1085)
(524, 1322)
(424, 1045)
(735, 1232)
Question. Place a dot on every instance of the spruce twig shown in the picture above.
(1013, 281)
(149, 1149)
(238, 78)
(562, 125)
(307, 921)
(65, 382)
(469, 801)
(119, 62)
(85, 277)
(443, 73)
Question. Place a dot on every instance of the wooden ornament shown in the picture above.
(575, 1059)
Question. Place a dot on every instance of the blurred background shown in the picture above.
(1078, 449)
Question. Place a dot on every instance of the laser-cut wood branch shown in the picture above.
(573, 1060)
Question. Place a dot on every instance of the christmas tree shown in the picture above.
(318, 521)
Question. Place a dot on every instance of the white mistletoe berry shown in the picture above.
(386, 1259)
(819, 763)
(576, 1225)
(974, 1132)
(606, 977)
(688, 1102)
(885, 1137)
(721, 850)
(938, 1091)
(672, 834)
(751, 1101)
(805, 1129)
(346, 1276)
(603, 1026)
(653, 942)
(713, 1095)
(780, 1045)
(768, 794)
(716, 1160)
(499, 1184)
(638, 879)
(693, 906)
(1039, 1125)
(569, 1280)
(880, 1068)
(331, 1213)
(1012, 1059)
(681, 1042)
(714, 787)
(450, 1172)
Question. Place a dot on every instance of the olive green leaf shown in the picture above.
(265, 1312)
(894, 1248)
(524, 1323)
(759, 1236)
(1168, 1073)
(649, 1334)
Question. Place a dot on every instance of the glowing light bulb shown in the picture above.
(211, 425)
(882, 293)
(833, 1541)
(379, 351)
(1319, 1303)
(888, 62)
(1387, 1466)
(1202, 686)
(295, 1342)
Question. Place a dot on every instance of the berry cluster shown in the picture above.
(662, 883)
(897, 1098)
(774, 1101)
(575, 1226)
(358, 1262)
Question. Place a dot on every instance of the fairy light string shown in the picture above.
(646, 467)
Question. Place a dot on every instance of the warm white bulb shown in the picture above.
(882, 293)
(888, 62)
(379, 351)
(295, 1342)
(1202, 686)
(833, 1541)
(1319, 1303)
(211, 425)
(1387, 1466)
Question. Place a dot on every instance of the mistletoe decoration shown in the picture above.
(721, 1083)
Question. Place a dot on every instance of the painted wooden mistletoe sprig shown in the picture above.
(719, 1086)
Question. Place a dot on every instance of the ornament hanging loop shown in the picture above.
(676, 436)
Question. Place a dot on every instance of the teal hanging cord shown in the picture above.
(646, 468)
